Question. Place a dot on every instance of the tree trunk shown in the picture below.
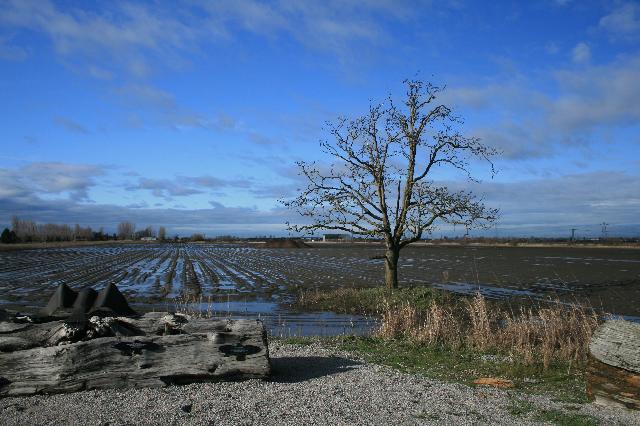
(391, 267)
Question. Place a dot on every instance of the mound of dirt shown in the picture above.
(285, 243)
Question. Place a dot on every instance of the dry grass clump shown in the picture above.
(194, 306)
(437, 325)
(538, 335)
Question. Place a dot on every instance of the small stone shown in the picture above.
(186, 407)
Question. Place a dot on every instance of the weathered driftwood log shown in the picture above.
(613, 372)
(151, 351)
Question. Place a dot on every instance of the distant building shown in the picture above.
(148, 239)
(336, 237)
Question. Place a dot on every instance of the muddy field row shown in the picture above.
(607, 277)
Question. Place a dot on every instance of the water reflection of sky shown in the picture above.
(485, 290)
(280, 321)
(631, 318)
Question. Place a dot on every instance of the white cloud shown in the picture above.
(9, 52)
(564, 201)
(581, 53)
(123, 33)
(183, 186)
(70, 124)
(120, 37)
(597, 96)
(163, 188)
(212, 182)
(517, 141)
(220, 219)
(528, 123)
(159, 106)
(99, 73)
(51, 178)
(328, 25)
(551, 48)
(624, 20)
(550, 206)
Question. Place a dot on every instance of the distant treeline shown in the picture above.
(28, 231)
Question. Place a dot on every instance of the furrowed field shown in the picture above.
(608, 279)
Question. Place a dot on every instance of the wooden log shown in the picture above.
(20, 336)
(151, 351)
(613, 370)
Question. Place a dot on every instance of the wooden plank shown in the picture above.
(166, 349)
(612, 386)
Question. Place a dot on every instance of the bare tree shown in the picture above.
(145, 233)
(126, 230)
(26, 230)
(198, 237)
(30, 231)
(381, 184)
(162, 233)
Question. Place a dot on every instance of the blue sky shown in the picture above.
(191, 114)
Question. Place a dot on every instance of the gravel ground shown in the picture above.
(310, 385)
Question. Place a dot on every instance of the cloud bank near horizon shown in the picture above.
(541, 207)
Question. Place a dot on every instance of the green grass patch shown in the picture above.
(561, 418)
(519, 407)
(367, 301)
(428, 416)
(464, 366)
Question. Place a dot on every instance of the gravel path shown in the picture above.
(311, 385)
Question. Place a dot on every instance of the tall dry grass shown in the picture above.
(194, 306)
(539, 335)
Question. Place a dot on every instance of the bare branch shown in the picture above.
(379, 185)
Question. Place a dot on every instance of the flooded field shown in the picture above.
(247, 280)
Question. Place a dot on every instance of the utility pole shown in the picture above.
(604, 230)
